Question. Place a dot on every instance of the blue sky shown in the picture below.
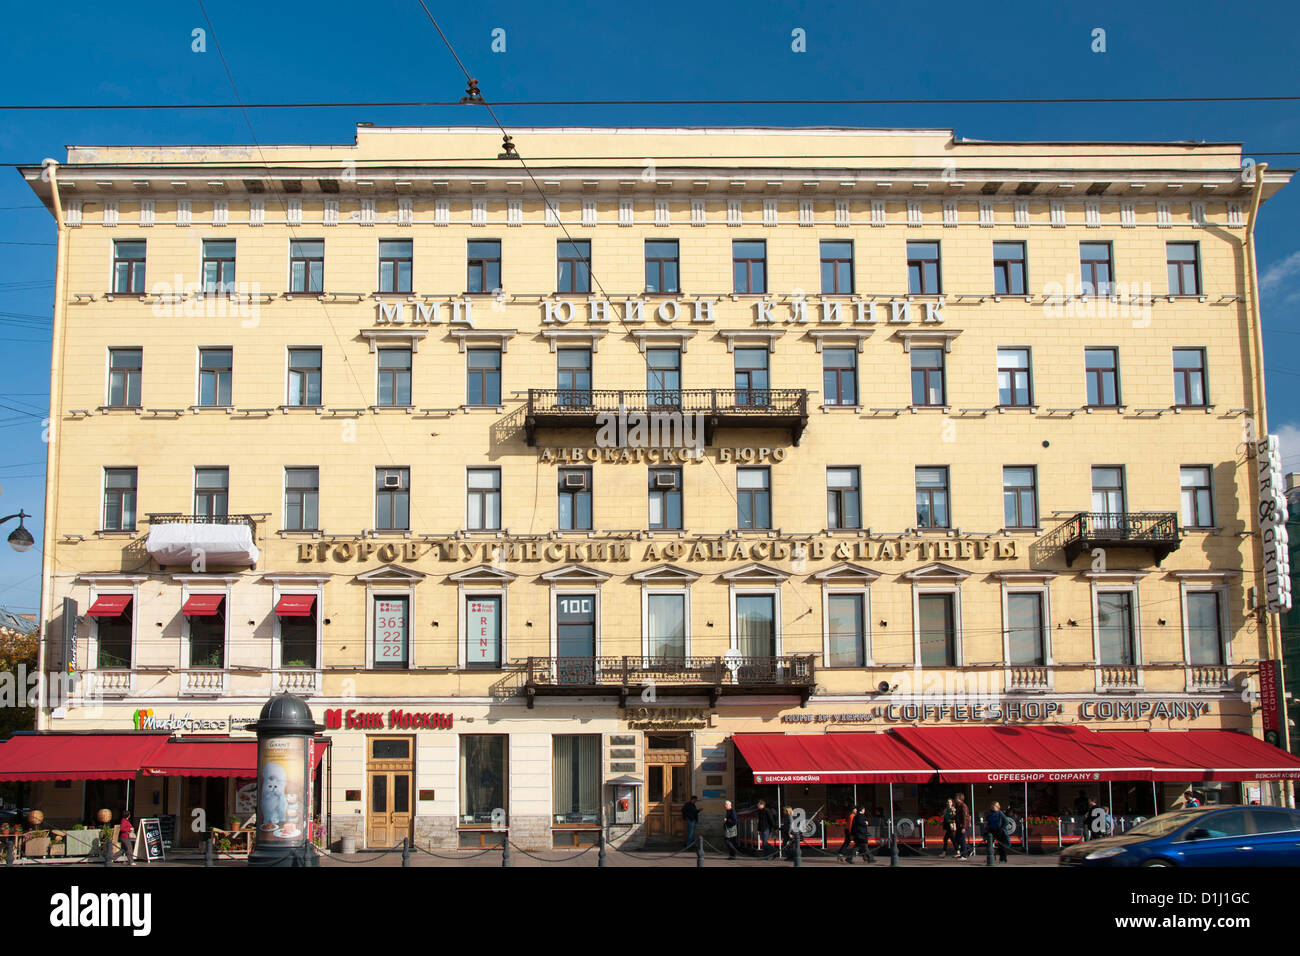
(386, 50)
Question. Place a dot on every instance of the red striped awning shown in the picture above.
(1026, 754)
(1196, 755)
(203, 758)
(831, 758)
(39, 756)
(295, 605)
(201, 605)
(109, 605)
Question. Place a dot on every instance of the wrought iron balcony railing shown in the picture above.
(670, 675)
(1156, 531)
(179, 518)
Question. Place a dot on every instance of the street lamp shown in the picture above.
(20, 539)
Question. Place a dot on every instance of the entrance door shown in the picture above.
(668, 786)
(390, 777)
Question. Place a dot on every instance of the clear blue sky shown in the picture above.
(386, 50)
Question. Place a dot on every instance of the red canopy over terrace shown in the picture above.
(831, 758)
(1209, 755)
(211, 757)
(62, 756)
(1025, 754)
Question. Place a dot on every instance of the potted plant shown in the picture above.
(79, 840)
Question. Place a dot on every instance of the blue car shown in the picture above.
(1205, 836)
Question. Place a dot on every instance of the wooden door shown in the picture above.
(668, 787)
(390, 780)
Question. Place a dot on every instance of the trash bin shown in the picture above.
(349, 846)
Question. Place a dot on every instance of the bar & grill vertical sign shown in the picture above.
(1272, 526)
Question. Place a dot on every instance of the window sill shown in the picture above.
(1003, 409)
(407, 409)
(497, 409)
(227, 409)
(116, 533)
(121, 409)
(303, 532)
(314, 409)
(1179, 409)
(841, 408)
(914, 409)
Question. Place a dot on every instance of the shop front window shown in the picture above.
(575, 778)
(483, 774)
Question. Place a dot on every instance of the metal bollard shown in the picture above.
(108, 852)
(796, 853)
(893, 850)
(699, 851)
(207, 851)
(600, 852)
(988, 846)
(406, 851)
(505, 851)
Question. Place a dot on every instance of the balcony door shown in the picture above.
(1108, 498)
(753, 387)
(664, 378)
(575, 638)
(756, 625)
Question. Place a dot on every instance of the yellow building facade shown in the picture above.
(950, 435)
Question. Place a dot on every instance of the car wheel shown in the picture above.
(1157, 863)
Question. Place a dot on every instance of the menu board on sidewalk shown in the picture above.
(151, 831)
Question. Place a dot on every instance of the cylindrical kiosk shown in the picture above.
(285, 759)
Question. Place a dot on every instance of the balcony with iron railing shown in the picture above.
(1154, 531)
(785, 408)
(669, 676)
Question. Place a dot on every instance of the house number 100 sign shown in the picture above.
(390, 631)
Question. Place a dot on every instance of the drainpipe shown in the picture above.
(51, 169)
(1272, 622)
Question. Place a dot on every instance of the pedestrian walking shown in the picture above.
(730, 829)
(964, 849)
(1095, 821)
(691, 814)
(995, 829)
(848, 835)
(124, 834)
(860, 830)
(787, 829)
(767, 825)
(950, 830)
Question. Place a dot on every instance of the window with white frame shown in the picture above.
(1203, 622)
(757, 629)
(297, 616)
(937, 628)
(665, 625)
(846, 628)
(391, 627)
(1115, 627)
(1026, 623)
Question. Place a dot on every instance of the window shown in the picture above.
(208, 637)
(392, 499)
(749, 266)
(666, 626)
(392, 623)
(1102, 371)
(483, 374)
(574, 258)
(575, 499)
(483, 769)
(1204, 628)
(1108, 495)
(301, 499)
(843, 498)
(304, 377)
(1026, 637)
(932, 498)
(846, 630)
(661, 266)
(575, 776)
(128, 266)
(753, 498)
(665, 499)
(124, 375)
(113, 639)
(1019, 497)
(1198, 506)
(1183, 261)
(298, 638)
(1009, 268)
(663, 377)
(1189, 378)
(573, 377)
(840, 376)
(306, 265)
(483, 509)
(1115, 637)
(923, 268)
(937, 629)
(1095, 268)
(483, 262)
(1014, 378)
(216, 371)
(927, 377)
(756, 625)
(218, 265)
(119, 499)
(394, 265)
(395, 377)
(211, 492)
(575, 629)
(837, 267)
(752, 384)
(483, 630)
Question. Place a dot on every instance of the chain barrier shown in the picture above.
(444, 856)
(340, 858)
(570, 859)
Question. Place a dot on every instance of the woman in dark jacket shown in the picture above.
(950, 829)
(861, 833)
(730, 829)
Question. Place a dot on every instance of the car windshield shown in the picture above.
(1163, 824)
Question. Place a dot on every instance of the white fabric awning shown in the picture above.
(220, 544)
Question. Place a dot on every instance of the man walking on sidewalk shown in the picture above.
(964, 850)
(691, 814)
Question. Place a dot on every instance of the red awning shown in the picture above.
(195, 757)
(831, 758)
(295, 605)
(1025, 754)
(1210, 755)
(203, 604)
(32, 756)
(109, 605)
